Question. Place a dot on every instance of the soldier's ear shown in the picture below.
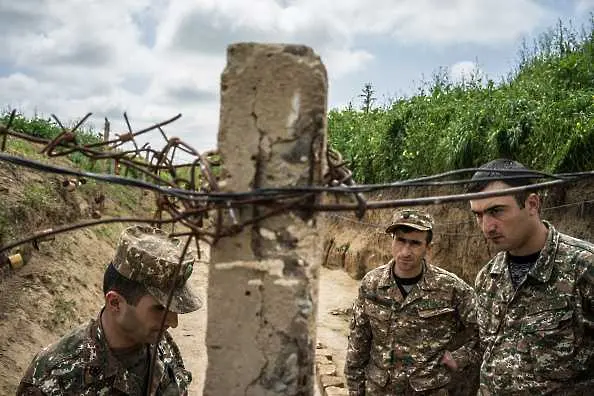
(533, 204)
(113, 301)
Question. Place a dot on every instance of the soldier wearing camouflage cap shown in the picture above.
(413, 328)
(111, 355)
(535, 297)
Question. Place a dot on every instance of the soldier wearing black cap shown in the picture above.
(414, 324)
(111, 355)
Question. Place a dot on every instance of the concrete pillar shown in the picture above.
(262, 290)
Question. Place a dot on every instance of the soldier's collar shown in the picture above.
(423, 284)
(103, 364)
(499, 265)
(387, 279)
(544, 265)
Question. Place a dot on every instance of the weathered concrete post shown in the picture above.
(262, 290)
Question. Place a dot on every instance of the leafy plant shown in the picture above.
(540, 115)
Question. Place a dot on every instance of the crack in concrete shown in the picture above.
(260, 314)
(256, 242)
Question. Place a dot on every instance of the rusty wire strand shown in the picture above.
(271, 193)
(189, 201)
(6, 129)
(71, 227)
(174, 284)
(131, 132)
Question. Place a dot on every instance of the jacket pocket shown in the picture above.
(434, 380)
(379, 319)
(547, 316)
(431, 313)
(548, 334)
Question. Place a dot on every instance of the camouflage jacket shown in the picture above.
(539, 339)
(81, 363)
(395, 344)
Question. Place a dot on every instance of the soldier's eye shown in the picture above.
(495, 211)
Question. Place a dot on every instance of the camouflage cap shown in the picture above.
(148, 256)
(413, 218)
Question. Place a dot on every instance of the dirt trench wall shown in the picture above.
(59, 286)
(359, 245)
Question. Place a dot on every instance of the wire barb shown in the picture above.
(187, 192)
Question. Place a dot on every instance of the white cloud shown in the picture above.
(585, 5)
(465, 71)
(156, 58)
(465, 21)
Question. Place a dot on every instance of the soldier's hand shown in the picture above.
(449, 361)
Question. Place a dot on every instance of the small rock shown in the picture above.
(321, 359)
(331, 380)
(326, 369)
(324, 352)
(46, 279)
(341, 311)
(336, 391)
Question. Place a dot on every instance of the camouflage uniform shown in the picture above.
(396, 344)
(539, 339)
(81, 363)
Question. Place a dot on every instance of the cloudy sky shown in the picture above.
(156, 58)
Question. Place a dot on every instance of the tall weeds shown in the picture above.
(542, 115)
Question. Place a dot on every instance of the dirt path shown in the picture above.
(337, 291)
(191, 332)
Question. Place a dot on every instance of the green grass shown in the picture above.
(109, 232)
(48, 129)
(541, 115)
(38, 196)
(24, 148)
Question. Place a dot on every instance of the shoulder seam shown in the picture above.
(567, 241)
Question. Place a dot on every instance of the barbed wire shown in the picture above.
(187, 191)
(189, 200)
(265, 193)
(446, 224)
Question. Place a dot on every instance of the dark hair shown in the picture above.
(498, 168)
(131, 290)
(406, 229)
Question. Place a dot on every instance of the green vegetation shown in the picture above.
(109, 232)
(48, 129)
(541, 115)
(24, 148)
(39, 196)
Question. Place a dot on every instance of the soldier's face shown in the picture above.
(506, 225)
(143, 321)
(408, 250)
